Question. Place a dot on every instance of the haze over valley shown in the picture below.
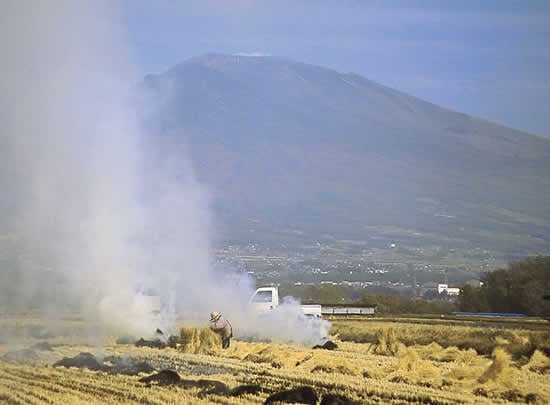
(306, 162)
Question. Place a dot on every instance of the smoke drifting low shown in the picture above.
(96, 212)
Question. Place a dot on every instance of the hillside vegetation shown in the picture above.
(296, 151)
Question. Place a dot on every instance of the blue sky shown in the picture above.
(486, 58)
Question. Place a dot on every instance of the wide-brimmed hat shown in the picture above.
(214, 315)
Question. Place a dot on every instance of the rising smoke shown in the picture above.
(96, 212)
(71, 153)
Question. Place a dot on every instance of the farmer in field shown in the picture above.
(222, 327)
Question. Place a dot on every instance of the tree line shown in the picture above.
(520, 288)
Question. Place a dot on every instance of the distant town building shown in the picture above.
(447, 289)
(474, 282)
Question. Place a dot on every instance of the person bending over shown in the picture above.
(222, 327)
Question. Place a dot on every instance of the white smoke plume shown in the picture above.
(96, 213)
(72, 156)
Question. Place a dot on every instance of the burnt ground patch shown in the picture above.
(155, 344)
(169, 377)
(126, 364)
(81, 360)
(336, 399)
(328, 345)
(163, 377)
(301, 395)
(246, 389)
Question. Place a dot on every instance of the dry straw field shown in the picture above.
(376, 361)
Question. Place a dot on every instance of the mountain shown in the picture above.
(295, 149)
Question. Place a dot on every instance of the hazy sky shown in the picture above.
(486, 58)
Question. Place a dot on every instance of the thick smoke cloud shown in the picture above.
(97, 213)
(71, 153)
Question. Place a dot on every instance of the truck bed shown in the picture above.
(346, 310)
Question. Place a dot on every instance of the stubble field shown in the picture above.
(376, 361)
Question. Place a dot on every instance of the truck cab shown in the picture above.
(265, 299)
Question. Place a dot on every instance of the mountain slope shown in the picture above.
(299, 147)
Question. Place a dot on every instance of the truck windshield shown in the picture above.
(262, 296)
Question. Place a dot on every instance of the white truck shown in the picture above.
(266, 299)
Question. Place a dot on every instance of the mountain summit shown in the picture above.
(301, 149)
